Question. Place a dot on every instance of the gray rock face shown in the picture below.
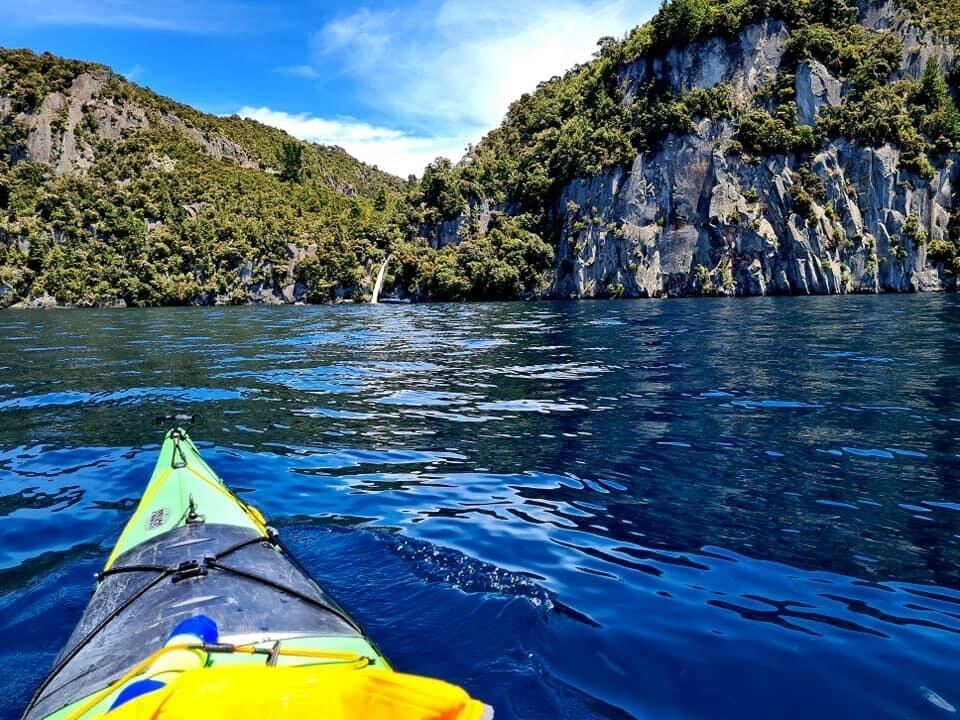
(694, 218)
(475, 218)
(295, 293)
(62, 131)
(262, 293)
(689, 219)
(816, 88)
(745, 63)
(40, 302)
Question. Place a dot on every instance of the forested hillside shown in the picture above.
(111, 194)
(727, 147)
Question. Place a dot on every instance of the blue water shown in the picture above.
(684, 509)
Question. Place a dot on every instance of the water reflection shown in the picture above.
(736, 502)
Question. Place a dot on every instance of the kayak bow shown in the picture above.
(200, 611)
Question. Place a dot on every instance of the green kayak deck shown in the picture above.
(193, 547)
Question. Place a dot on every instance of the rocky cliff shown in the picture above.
(818, 175)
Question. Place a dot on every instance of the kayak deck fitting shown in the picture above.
(193, 552)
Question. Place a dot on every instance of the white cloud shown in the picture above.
(459, 63)
(447, 70)
(365, 35)
(389, 149)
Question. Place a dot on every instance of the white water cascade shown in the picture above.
(378, 286)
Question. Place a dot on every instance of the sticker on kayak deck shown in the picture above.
(157, 518)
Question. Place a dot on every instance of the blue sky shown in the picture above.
(395, 82)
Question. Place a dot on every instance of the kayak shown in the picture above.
(201, 612)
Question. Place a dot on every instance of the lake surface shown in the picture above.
(682, 509)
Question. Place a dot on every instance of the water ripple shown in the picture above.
(716, 510)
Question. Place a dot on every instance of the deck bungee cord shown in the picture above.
(227, 623)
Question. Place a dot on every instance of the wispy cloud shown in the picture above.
(135, 73)
(180, 16)
(304, 71)
(392, 150)
(459, 63)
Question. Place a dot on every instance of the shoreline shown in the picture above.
(54, 306)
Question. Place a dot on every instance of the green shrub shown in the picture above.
(912, 231)
(943, 252)
(27, 78)
(680, 22)
(703, 280)
(801, 203)
(440, 190)
(866, 57)
(941, 16)
(615, 291)
(764, 134)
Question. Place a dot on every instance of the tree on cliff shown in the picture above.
(291, 161)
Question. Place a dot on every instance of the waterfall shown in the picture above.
(378, 286)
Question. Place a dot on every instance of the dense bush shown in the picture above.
(333, 267)
(936, 110)
(508, 261)
(766, 134)
(680, 22)
(440, 191)
(864, 56)
(940, 16)
(27, 78)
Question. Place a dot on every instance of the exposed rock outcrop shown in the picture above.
(62, 132)
(744, 63)
(816, 88)
(690, 215)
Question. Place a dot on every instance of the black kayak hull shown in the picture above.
(248, 585)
